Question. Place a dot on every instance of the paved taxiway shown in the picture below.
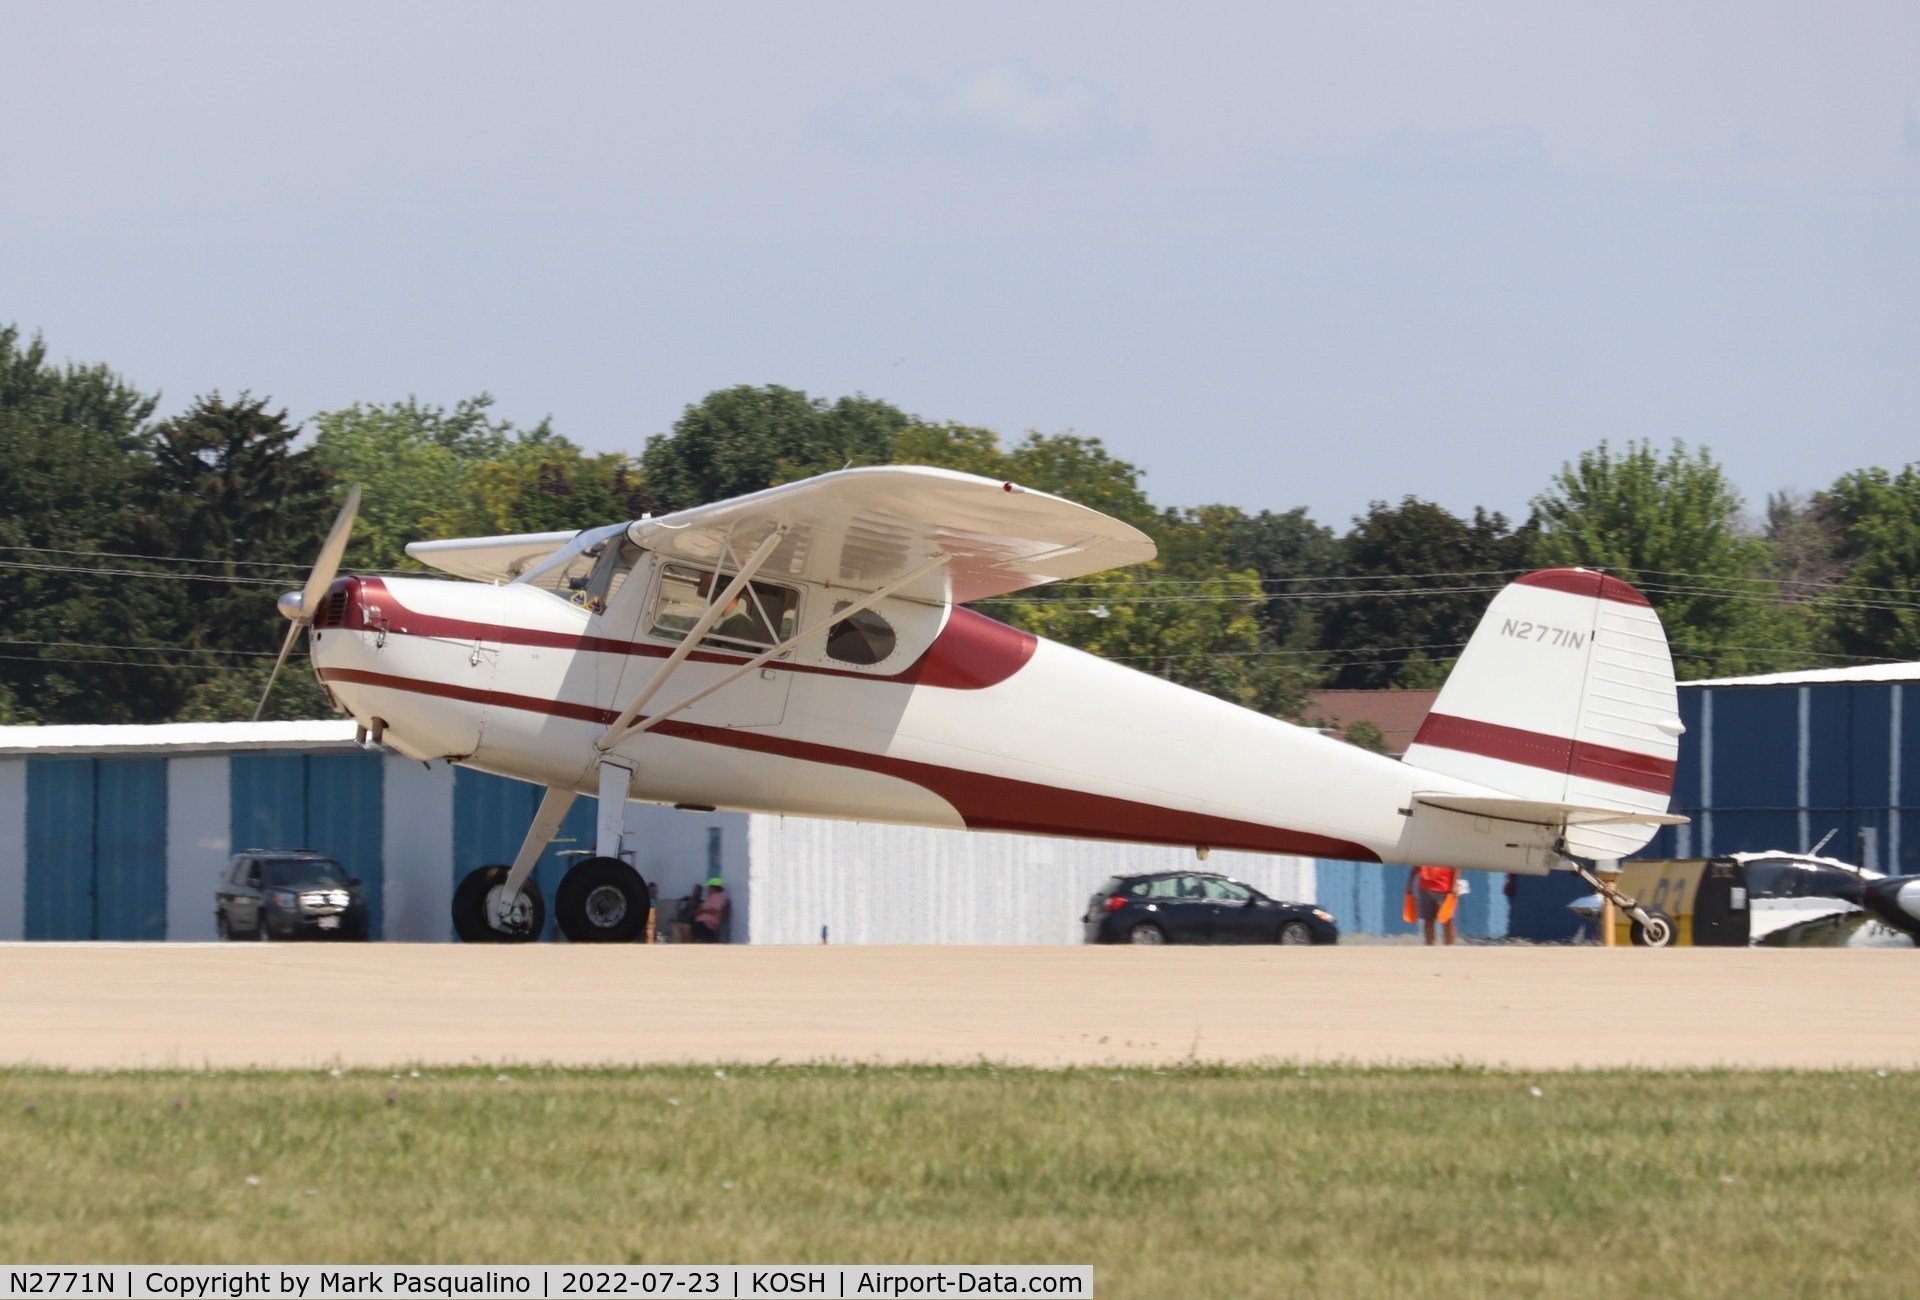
(192, 1005)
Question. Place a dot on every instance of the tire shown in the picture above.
(221, 928)
(472, 919)
(1659, 934)
(1294, 934)
(601, 900)
(1146, 932)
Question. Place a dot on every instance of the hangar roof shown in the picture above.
(179, 738)
(1815, 676)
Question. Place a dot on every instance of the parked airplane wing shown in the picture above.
(489, 559)
(861, 529)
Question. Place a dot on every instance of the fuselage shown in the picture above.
(958, 721)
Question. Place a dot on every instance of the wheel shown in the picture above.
(1294, 933)
(220, 926)
(1146, 932)
(1657, 933)
(473, 909)
(601, 900)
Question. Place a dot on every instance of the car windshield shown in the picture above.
(289, 872)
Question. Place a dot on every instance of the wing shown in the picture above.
(489, 559)
(860, 529)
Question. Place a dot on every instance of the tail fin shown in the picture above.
(1564, 700)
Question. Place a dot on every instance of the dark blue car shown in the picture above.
(1200, 907)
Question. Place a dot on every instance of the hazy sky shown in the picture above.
(1276, 254)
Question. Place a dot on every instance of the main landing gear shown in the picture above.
(601, 900)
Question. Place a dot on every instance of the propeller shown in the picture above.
(303, 606)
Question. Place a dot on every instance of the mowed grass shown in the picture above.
(1183, 1182)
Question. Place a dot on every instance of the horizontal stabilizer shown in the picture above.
(1543, 812)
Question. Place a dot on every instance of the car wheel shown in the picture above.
(601, 900)
(1295, 933)
(1146, 932)
(220, 926)
(473, 909)
(1658, 932)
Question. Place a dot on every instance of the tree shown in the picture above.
(743, 439)
(1419, 578)
(223, 485)
(1671, 525)
(69, 438)
(1875, 518)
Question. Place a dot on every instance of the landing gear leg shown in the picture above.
(1651, 929)
(491, 907)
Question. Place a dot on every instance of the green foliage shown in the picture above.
(224, 485)
(70, 439)
(428, 472)
(1191, 1181)
(1426, 576)
(1874, 518)
(1671, 525)
(743, 439)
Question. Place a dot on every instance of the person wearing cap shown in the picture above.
(712, 913)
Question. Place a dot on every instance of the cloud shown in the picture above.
(1004, 112)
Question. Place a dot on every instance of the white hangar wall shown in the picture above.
(869, 883)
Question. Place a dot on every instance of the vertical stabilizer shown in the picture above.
(1565, 695)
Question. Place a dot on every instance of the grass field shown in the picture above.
(1196, 1181)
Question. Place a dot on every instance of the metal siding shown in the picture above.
(343, 821)
(903, 884)
(1757, 830)
(60, 831)
(416, 849)
(1831, 752)
(130, 857)
(1869, 775)
(269, 801)
(1538, 908)
(199, 829)
(1755, 753)
(13, 848)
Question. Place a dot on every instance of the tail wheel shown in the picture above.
(1146, 932)
(474, 911)
(1658, 931)
(602, 900)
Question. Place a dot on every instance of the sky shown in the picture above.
(1276, 254)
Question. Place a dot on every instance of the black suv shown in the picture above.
(1200, 907)
(288, 894)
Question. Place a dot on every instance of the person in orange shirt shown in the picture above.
(1432, 893)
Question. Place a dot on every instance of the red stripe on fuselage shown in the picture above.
(984, 802)
(1551, 753)
(972, 652)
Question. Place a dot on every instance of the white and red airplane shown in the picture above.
(806, 650)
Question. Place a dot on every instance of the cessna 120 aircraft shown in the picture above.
(807, 650)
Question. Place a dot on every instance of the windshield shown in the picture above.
(288, 873)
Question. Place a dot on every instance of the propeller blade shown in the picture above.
(293, 630)
(328, 564)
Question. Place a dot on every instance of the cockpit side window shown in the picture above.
(863, 637)
(763, 614)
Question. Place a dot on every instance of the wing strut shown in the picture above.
(707, 619)
(609, 740)
(546, 824)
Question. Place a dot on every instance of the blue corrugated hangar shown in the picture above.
(119, 832)
(1776, 762)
